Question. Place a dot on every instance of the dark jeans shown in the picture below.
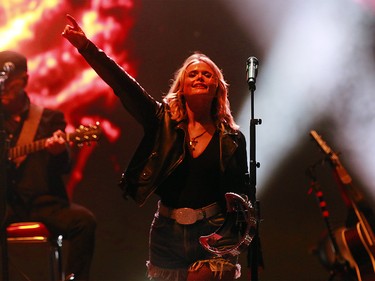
(174, 248)
(76, 223)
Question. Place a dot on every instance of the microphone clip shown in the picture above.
(3, 77)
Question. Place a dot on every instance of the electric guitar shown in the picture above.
(83, 134)
(357, 244)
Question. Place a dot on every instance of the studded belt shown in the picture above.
(188, 216)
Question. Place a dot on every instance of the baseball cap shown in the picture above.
(18, 60)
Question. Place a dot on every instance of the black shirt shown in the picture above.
(195, 182)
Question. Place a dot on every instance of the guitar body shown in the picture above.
(357, 252)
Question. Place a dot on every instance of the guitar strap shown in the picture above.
(29, 129)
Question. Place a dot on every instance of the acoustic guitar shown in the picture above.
(357, 244)
(83, 134)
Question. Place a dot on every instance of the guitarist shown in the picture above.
(35, 189)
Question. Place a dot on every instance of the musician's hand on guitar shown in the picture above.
(75, 34)
(57, 143)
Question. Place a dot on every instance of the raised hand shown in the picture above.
(74, 34)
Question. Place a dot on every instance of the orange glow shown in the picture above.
(20, 17)
(24, 226)
(59, 77)
(27, 239)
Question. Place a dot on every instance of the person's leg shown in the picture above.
(77, 224)
(167, 260)
(208, 266)
(156, 273)
(212, 270)
(81, 236)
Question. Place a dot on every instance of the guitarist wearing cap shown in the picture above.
(35, 189)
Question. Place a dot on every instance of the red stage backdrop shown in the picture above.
(59, 77)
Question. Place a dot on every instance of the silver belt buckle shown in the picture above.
(185, 216)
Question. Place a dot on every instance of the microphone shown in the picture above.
(251, 70)
(8, 67)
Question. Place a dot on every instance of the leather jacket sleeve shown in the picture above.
(143, 107)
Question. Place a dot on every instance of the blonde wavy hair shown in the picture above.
(220, 107)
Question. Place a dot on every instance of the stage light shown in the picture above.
(318, 65)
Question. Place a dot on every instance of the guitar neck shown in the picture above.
(352, 193)
(82, 134)
(21, 150)
(341, 172)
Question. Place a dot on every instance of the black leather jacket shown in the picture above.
(162, 148)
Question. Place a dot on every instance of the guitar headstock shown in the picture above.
(333, 157)
(85, 134)
(322, 144)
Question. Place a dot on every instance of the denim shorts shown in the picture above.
(176, 246)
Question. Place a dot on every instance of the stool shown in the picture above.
(37, 232)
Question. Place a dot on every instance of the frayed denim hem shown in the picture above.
(157, 273)
(217, 266)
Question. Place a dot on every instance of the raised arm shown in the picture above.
(134, 98)
(74, 34)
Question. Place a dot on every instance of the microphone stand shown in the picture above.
(252, 69)
(4, 145)
(339, 265)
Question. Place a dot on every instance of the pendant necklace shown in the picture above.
(193, 142)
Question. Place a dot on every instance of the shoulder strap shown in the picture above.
(30, 125)
(29, 128)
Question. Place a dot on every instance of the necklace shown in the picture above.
(193, 142)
